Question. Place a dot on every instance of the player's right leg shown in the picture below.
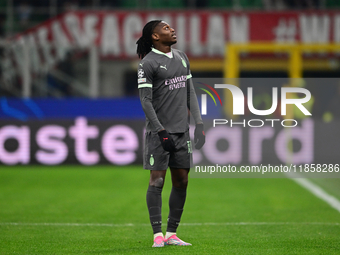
(154, 203)
(156, 160)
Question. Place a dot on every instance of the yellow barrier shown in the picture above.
(295, 51)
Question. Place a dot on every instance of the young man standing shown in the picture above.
(166, 93)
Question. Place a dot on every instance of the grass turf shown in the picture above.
(280, 217)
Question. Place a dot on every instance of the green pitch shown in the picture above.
(102, 210)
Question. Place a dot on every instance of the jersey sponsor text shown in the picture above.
(176, 82)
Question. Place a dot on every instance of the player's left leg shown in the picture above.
(179, 177)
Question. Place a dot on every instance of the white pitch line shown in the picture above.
(72, 224)
(319, 192)
(182, 224)
(257, 223)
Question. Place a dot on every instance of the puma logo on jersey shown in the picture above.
(141, 64)
(164, 67)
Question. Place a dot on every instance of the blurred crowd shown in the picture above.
(154, 4)
(29, 13)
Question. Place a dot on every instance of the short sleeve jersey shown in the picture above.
(167, 75)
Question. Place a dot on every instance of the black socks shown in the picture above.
(154, 203)
(176, 204)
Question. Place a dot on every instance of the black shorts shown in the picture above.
(156, 158)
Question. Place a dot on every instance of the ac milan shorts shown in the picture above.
(156, 158)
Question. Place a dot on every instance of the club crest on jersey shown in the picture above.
(140, 73)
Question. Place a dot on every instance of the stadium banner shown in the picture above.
(199, 33)
(120, 142)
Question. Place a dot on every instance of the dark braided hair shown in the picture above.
(144, 43)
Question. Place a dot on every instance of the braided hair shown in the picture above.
(144, 43)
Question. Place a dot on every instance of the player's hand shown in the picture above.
(199, 136)
(167, 142)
